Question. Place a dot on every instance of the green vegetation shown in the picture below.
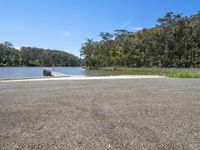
(185, 75)
(31, 56)
(169, 72)
(173, 42)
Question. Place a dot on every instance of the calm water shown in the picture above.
(26, 72)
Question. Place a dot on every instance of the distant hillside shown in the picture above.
(32, 56)
(173, 42)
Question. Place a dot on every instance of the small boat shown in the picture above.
(47, 72)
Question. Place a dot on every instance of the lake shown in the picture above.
(27, 72)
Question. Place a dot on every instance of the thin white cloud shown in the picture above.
(124, 25)
(18, 48)
(136, 28)
(127, 25)
(66, 34)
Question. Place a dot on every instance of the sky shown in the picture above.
(66, 24)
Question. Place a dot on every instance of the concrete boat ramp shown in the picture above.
(51, 72)
(58, 74)
(122, 77)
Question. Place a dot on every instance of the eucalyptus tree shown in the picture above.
(173, 42)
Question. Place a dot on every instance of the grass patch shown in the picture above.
(169, 72)
(185, 75)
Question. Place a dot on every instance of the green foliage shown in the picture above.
(185, 75)
(168, 72)
(174, 42)
(8, 55)
(31, 56)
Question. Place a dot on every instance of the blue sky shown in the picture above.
(65, 24)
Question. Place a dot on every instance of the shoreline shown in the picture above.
(82, 78)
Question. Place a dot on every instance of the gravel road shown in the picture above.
(100, 114)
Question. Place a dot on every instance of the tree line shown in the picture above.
(32, 56)
(173, 42)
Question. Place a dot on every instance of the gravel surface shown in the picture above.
(100, 114)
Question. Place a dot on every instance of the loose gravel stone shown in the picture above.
(101, 114)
